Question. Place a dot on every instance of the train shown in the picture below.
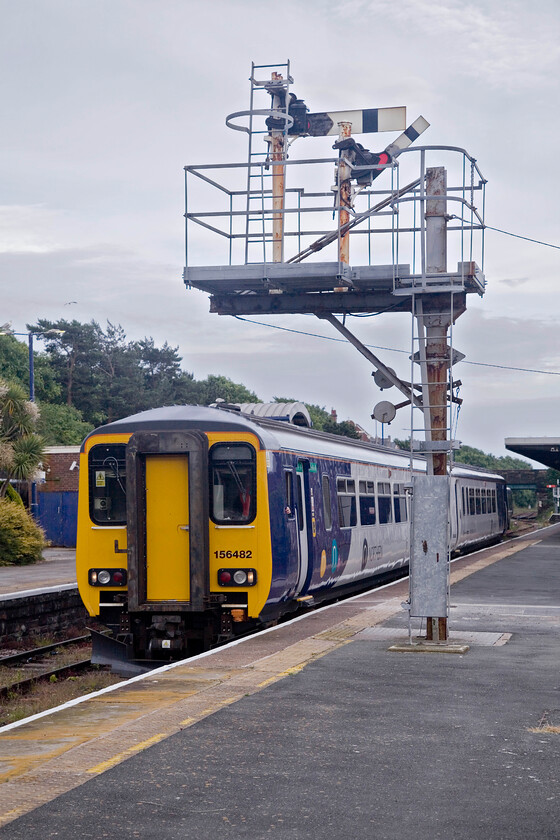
(197, 524)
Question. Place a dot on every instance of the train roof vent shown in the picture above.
(293, 412)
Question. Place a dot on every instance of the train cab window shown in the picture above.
(289, 493)
(290, 508)
(384, 502)
(107, 484)
(327, 509)
(346, 494)
(232, 483)
(399, 500)
(368, 510)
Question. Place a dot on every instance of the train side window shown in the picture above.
(483, 500)
(107, 484)
(399, 500)
(289, 488)
(346, 495)
(471, 501)
(233, 483)
(367, 503)
(327, 509)
(493, 501)
(463, 500)
(477, 500)
(384, 502)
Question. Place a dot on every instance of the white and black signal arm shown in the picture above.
(368, 165)
(365, 121)
(325, 124)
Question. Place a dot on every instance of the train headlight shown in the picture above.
(237, 577)
(107, 577)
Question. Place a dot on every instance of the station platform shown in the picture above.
(317, 729)
(57, 568)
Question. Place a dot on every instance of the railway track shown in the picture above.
(33, 666)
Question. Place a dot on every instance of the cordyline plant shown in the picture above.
(21, 448)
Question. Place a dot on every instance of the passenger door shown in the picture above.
(454, 512)
(167, 521)
(167, 528)
(302, 509)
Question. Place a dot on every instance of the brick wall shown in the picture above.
(61, 469)
(39, 615)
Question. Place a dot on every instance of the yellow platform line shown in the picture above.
(209, 711)
(482, 563)
(116, 759)
(295, 669)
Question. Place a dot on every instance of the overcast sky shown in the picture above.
(105, 101)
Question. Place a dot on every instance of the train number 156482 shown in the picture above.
(229, 555)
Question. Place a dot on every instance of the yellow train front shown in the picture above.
(173, 531)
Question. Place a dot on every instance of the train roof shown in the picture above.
(272, 434)
(468, 471)
(275, 435)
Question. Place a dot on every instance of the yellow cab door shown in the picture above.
(167, 528)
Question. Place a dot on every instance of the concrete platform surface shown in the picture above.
(317, 730)
(58, 567)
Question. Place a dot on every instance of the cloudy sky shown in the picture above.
(105, 101)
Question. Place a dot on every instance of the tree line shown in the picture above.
(477, 458)
(87, 375)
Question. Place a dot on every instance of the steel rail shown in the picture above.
(24, 655)
(23, 686)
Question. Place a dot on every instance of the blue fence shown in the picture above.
(58, 516)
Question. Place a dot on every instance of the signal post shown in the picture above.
(300, 280)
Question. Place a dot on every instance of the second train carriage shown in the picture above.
(195, 523)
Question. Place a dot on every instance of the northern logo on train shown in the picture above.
(365, 554)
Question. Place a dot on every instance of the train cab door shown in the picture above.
(167, 521)
(167, 528)
(454, 513)
(302, 508)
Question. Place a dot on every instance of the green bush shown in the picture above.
(21, 540)
(14, 496)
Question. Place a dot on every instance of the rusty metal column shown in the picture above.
(278, 178)
(344, 197)
(437, 320)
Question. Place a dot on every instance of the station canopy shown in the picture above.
(545, 450)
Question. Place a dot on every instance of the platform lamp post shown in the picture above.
(5, 330)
